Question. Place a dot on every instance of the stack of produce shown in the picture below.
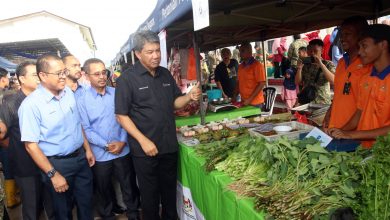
(289, 179)
(375, 185)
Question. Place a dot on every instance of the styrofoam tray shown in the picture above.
(300, 127)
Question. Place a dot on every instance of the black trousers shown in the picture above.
(78, 175)
(277, 70)
(123, 170)
(157, 178)
(35, 198)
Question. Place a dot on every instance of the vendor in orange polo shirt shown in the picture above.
(372, 117)
(251, 77)
(348, 73)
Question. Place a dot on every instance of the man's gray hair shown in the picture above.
(142, 37)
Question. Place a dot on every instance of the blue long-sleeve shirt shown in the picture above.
(99, 122)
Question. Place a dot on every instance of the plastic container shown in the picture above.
(282, 129)
(299, 127)
(214, 94)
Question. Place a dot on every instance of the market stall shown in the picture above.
(215, 195)
(282, 175)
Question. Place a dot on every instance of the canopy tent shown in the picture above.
(8, 65)
(232, 22)
(164, 14)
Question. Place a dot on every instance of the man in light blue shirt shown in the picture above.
(72, 64)
(51, 129)
(108, 142)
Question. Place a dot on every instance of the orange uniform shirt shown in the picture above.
(374, 101)
(249, 76)
(343, 105)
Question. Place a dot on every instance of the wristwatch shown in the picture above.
(51, 173)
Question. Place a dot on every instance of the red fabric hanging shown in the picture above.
(191, 70)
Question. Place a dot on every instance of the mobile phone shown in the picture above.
(308, 60)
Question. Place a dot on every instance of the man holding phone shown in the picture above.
(316, 72)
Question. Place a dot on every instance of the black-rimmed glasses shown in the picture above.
(62, 73)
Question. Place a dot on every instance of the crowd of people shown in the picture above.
(359, 107)
(67, 141)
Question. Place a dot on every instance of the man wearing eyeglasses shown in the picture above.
(72, 64)
(51, 129)
(25, 171)
(108, 142)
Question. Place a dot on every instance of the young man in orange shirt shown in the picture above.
(251, 78)
(348, 73)
(372, 117)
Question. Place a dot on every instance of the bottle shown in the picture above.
(238, 99)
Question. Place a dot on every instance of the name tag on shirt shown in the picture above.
(166, 84)
(145, 87)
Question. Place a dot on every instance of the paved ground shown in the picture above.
(16, 214)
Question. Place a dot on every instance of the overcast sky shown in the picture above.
(111, 21)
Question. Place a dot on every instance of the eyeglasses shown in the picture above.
(101, 73)
(62, 73)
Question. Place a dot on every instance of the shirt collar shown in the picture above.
(48, 96)
(78, 87)
(250, 61)
(347, 59)
(382, 75)
(21, 94)
(140, 69)
(95, 93)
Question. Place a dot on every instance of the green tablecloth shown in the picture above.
(209, 190)
(212, 116)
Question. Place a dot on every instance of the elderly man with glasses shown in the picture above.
(51, 129)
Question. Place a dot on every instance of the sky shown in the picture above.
(111, 21)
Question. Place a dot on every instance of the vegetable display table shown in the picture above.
(204, 195)
(217, 116)
(209, 191)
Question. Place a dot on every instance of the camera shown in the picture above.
(308, 60)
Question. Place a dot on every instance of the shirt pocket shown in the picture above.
(382, 103)
(168, 91)
(144, 94)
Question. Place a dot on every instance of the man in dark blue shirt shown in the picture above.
(25, 171)
(226, 73)
(145, 99)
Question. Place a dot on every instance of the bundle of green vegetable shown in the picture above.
(289, 179)
(218, 151)
(301, 180)
(375, 185)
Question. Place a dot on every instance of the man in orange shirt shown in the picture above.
(348, 73)
(251, 77)
(372, 117)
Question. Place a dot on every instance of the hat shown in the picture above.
(378, 32)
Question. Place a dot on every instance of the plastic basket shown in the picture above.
(214, 94)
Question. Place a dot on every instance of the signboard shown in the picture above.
(200, 9)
